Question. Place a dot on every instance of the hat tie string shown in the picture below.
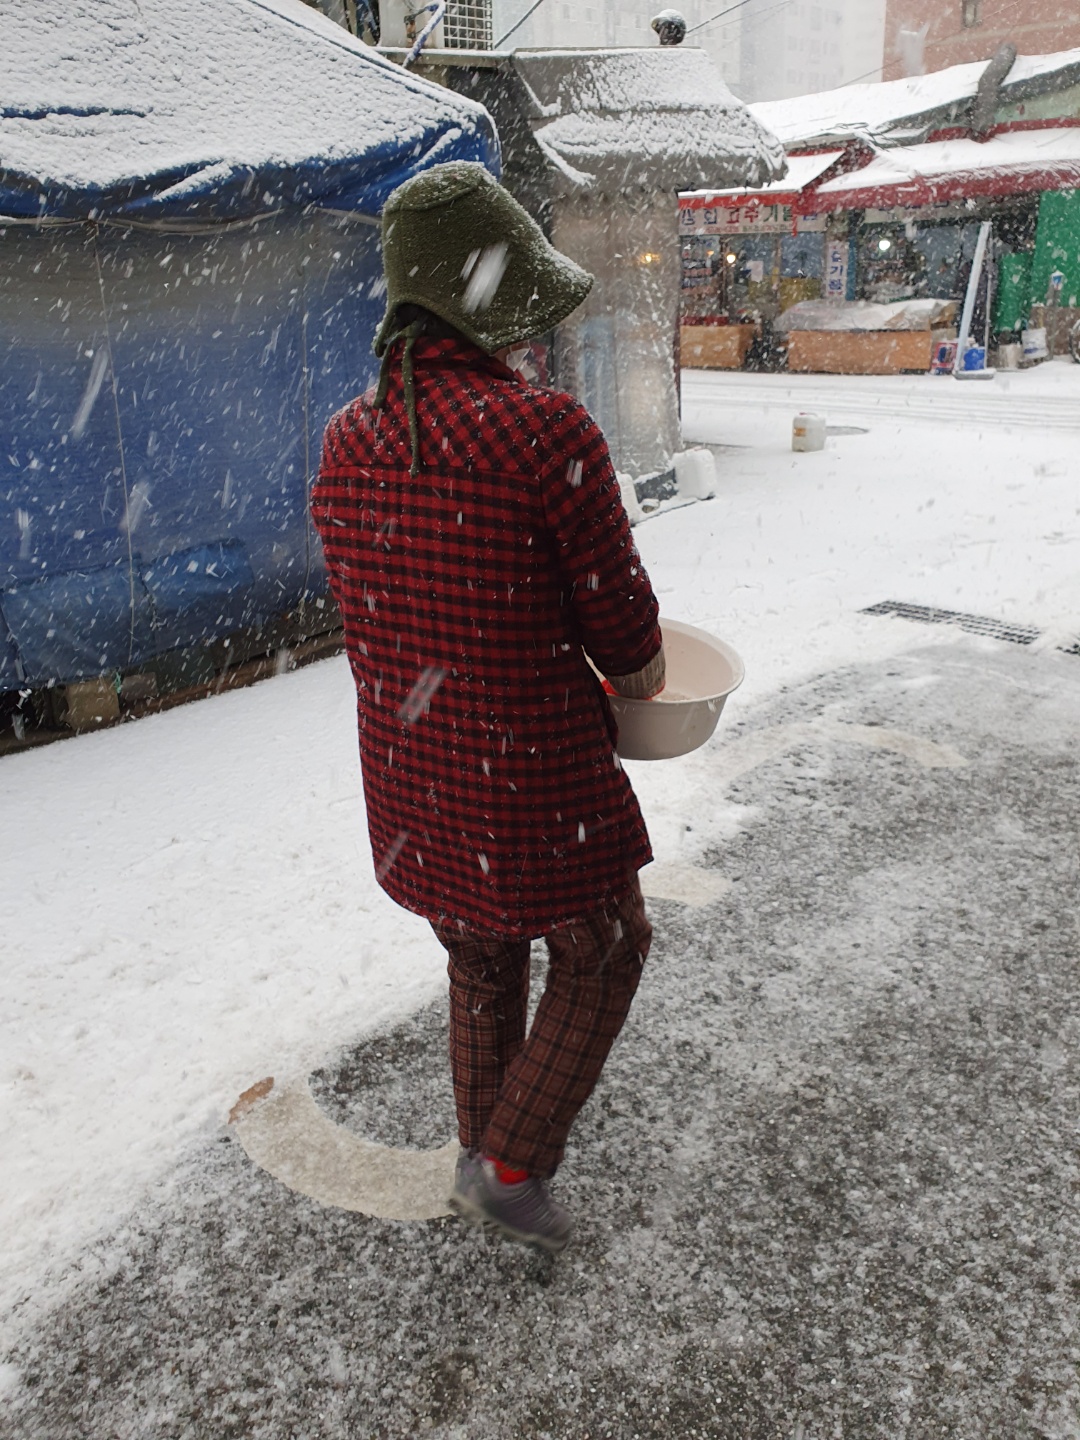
(410, 334)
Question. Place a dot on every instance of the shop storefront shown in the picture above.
(886, 230)
(747, 257)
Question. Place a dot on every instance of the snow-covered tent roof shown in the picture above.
(899, 111)
(164, 383)
(161, 109)
(661, 119)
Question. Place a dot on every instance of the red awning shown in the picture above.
(1013, 163)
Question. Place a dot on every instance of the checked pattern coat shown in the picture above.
(470, 595)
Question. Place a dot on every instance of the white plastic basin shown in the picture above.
(701, 673)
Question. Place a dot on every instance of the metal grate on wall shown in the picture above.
(976, 624)
(467, 25)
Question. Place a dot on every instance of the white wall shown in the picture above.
(765, 49)
(561, 23)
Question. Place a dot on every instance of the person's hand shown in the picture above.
(643, 684)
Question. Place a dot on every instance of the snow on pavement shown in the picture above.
(826, 1186)
(191, 897)
(192, 908)
(958, 495)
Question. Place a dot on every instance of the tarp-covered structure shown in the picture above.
(189, 284)
(623, 131)
(598, 143)
(617, 121)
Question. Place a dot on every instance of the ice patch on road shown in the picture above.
(287, 1135)
(691, 885)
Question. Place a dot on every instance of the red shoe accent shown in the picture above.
(507, 1174)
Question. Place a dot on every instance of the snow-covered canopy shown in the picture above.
(898, 111)
(658, 119)
(158, 109)
(1013, 163)
(802, 170)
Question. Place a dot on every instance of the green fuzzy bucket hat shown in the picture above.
(458, 243)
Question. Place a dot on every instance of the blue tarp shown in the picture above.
(164, 385)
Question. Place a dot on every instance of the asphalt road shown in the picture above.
(827, 1189)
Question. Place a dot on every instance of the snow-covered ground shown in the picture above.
(187, 902)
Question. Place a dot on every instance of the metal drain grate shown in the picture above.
(977, 624)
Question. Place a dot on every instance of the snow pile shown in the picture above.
(613, 120)
(149, 107)
(899, 110)
(1037, 67)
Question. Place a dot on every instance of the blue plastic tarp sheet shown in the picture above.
(163, 398)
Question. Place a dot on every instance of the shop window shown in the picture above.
(910, 260)
(971, 10)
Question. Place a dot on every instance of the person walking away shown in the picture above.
(477, 544)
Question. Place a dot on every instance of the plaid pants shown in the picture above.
(517, 1096)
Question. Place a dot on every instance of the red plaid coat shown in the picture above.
(469, 594)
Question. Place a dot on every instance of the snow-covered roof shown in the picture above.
(893, 109)
(801, 171)
(662, 118)
(165, 108)
(1010, 163)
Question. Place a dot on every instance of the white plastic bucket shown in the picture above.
(701, 673)
(808, 432)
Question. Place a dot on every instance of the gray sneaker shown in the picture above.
(524, 1211)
